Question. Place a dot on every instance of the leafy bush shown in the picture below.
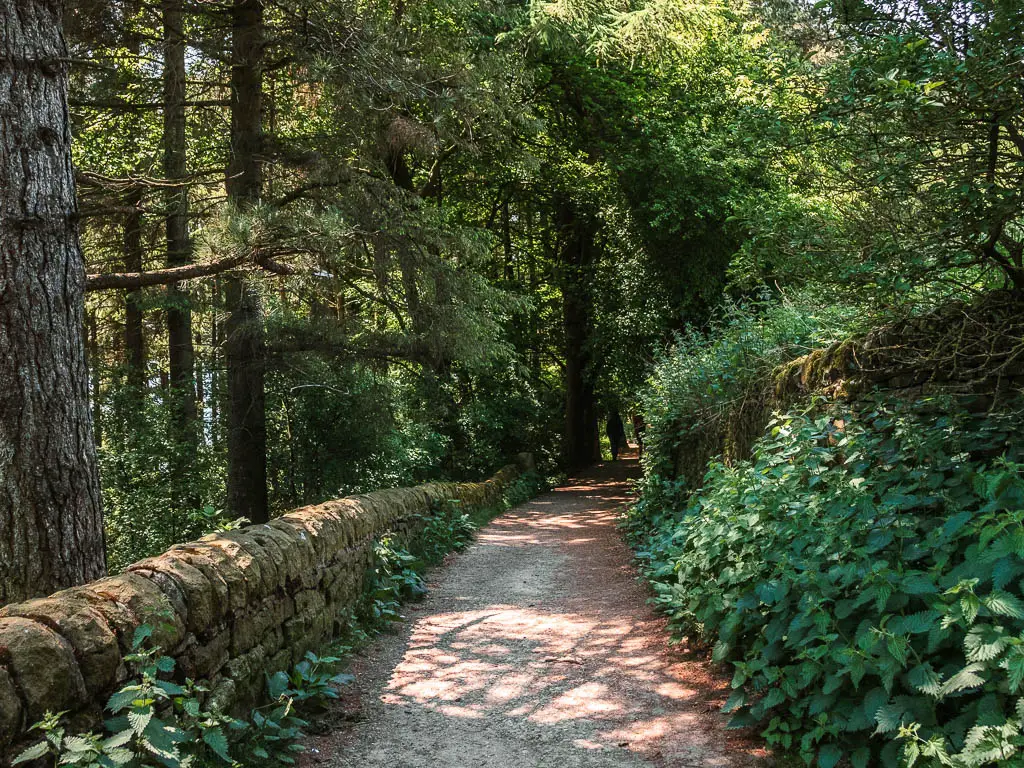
(863, 575)
(156, 722)
(709, 370)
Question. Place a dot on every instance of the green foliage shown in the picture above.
(154, 722)
(157, 723)
(159, 489)
(447, 529)
(709, 371)
(394, 577)
(862, 575)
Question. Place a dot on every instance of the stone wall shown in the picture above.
(228, 608)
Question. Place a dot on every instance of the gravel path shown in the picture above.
(535, 649)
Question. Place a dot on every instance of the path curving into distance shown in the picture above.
(536, 649)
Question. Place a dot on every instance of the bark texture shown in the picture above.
(181, 353)
(581, 429)
(244, 346)
(51, 526)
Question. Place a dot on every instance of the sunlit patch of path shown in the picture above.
(536, 648)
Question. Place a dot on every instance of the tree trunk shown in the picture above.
(181, 353)
(134, 343)
(51, 523)
(581, 431)
(244, 346)
(247, 431)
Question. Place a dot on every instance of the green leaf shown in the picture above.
(142, 633)
(32, 753)
(829, 756)
(139, 719)
(736, 700)
(217, 741)
(1004, 604)
(171, 689)
(925, 679)
(964, 679)
(122, 699)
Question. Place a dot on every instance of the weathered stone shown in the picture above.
(11, 715)
(248, 630)
(292, 560)
(270, 577)
(129, 600)
(71, 614)
(217, 569)
(42, 665)
(301, 552)
(172, 591)
(207, 657)
(200, 605)
(282, 661)
(246, 563)
(223, 696)
(247, 671)
(309, 601)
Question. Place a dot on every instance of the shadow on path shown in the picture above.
(536, 648)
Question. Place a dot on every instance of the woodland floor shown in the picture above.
(536, 648)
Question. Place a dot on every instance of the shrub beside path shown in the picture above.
(535, 648)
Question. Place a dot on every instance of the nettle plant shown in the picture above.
(448, 529)
(156, 722)
(863, 574)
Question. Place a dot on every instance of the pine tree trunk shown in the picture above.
(244, 346)
(51, 524)
(134, 342)
(181, 353)
(581, 429)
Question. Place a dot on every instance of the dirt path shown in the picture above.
(535, 648)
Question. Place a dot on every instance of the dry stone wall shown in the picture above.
(970, 350)
(228, 608)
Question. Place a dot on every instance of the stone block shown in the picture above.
(248, 629)
(219, 571)
(201, 606)
(271, 578)
(129, 600)
(208, 656)
(42, 666)
(246, 563)
(11, 715)
(71, 614)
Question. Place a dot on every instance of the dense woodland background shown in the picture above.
(335, 246)
(442, 233)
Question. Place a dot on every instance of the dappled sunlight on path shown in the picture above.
(536, 648)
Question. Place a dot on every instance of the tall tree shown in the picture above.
(181, 354)
(245, 347)
(51, 525)
(582, 446)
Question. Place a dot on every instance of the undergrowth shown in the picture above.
(156, 722)
(863, 575)
(709, 370)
